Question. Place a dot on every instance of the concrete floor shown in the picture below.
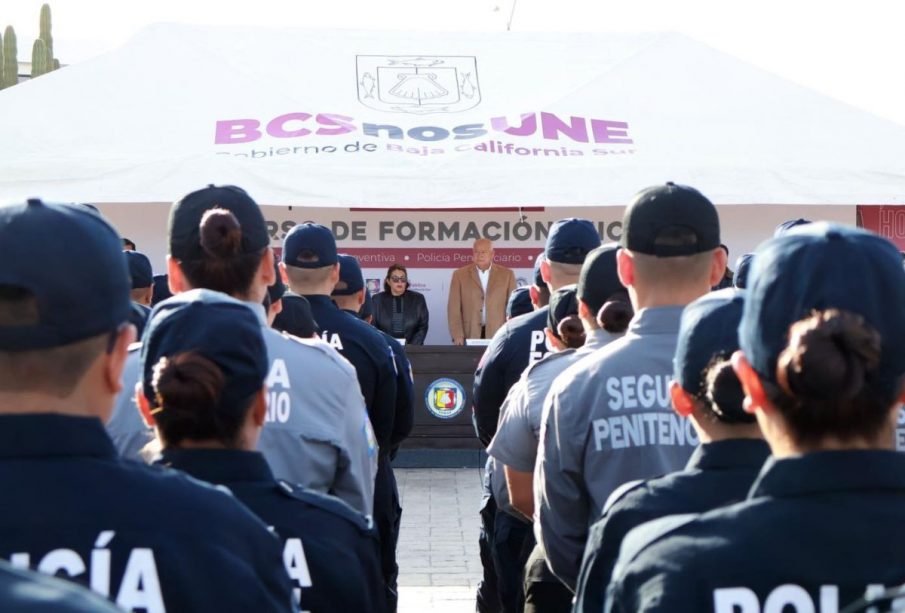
(439, 567)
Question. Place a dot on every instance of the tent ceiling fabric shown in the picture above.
(431, 120)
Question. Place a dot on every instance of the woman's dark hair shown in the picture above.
(571, 332)
(393, 267)
(722, 394)
(224, 267)
(827, 380)
(187, 389)
(616, 313)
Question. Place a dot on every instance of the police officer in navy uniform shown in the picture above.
(349, 295)
(515, 346)
(317, 431)
(822, 366)
(573, 332)
(311, 262)
(720, 471)
(204, 364)
(610, 420)
(148, 539)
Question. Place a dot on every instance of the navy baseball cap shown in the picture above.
(742, 268)
(310, 245)
(70, 260)
(223, 330)
(670, 220)
(538, 279)
(708, 329)
(599, 279)
(139, 269)
(184, 227)
(161, 289)
(519, 302)
(570, 240)
(563, 303)
(350, 278)
(278, 288)
(296, 317)
(821, 266)
(788, 225)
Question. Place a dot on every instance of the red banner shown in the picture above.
(887, 221)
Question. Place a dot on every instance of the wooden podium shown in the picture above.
(444, 377)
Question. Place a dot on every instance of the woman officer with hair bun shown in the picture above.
(822, 364)
(720, 471)
(204, 365)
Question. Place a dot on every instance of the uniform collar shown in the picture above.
(829, 471)
(598, 338)
(656, 320)
(733, 453)
(53, 435)
(219, 465)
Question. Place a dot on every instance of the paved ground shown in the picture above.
(439, 567)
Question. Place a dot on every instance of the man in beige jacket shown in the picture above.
(477, 296)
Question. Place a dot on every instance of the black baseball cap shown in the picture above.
(519, 302)
(538, 279)
(223, 330)
(599, 279)
(139, 269)
(742, 268)
(823, 266)
(670, 220)
(570, 240)
(789, 224)
(310, 245)
(709, 329)
(296, 317)
(184, 228)
(276, 290)
(71, 261)
(563, 303)
(350, 278)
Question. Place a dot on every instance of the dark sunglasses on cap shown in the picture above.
(396, 279)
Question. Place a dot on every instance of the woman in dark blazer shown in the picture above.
(399, 311)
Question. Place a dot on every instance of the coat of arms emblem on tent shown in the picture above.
(418, 84)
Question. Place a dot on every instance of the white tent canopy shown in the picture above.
(371, 119)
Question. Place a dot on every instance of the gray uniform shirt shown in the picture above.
(316, 431)
(515, 442)
(609, 421)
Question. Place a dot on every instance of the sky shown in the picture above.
(851, 51)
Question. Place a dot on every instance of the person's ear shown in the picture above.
(545, 271)
(144, 406)
(259, 408)
(755, 396)
(718, 266)
(360, 297)
(584, 311)
(116, 358)
(682, 402)
(265, 270)
(625, 267)
(149, 294)
(175, 279)
(535, 295)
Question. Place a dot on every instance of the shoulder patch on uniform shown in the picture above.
(620, 492)
(325, 502)
(641, 537)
